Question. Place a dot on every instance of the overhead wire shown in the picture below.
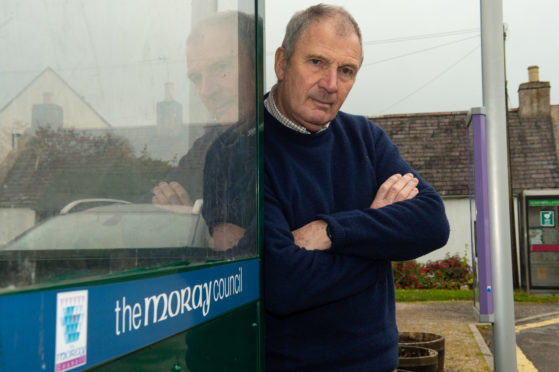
(423, 36)
(462, 58)
(419, 51)
(414, 37)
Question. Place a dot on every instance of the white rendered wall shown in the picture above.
(459, 241)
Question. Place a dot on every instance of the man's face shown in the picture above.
(223, 74)
(314, 83)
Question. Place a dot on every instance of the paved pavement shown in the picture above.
(537, 334)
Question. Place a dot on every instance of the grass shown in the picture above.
(521, 296)
(414, 295)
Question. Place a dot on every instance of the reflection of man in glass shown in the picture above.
(230, 171)
(220, 55)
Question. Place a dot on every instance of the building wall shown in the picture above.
(555, 121)
(459, 242)
(15, 117)
(14, 222)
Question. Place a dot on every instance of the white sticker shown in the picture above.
(71, 330)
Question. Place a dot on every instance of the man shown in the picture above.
(220, 60)
(340, 205)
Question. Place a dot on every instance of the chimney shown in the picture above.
(169, 87)
(534, 96)
(169, 112)
(46, 114)
(47, 97)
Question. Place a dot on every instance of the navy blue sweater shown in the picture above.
(334, 310)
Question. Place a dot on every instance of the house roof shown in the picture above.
(61, 83)
(533, 153)
(436, 145)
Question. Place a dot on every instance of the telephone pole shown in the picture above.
(493, 65)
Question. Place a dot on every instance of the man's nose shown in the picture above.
(208, 86)
(329, 80)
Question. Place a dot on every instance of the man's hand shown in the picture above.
(312, 236)
(225, 236)
(394, 189)
(397, 188)
(172, 196)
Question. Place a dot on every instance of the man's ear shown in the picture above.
(280, 63)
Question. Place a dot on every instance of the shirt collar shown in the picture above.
(270, 105)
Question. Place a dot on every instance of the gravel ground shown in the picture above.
(449, 319)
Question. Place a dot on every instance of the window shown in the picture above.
(136, 141)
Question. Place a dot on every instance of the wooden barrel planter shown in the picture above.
(426, 340)
(417, 359)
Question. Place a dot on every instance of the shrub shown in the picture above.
(452, 272)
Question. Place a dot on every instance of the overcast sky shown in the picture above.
(116, 54)
(425, 56)
(419, 56)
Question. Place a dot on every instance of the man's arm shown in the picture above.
(315, 236)
(226, 236)
(297, 279)
(396, 231)
(229, 207)
(399, 231)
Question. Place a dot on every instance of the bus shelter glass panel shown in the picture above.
(127, 136)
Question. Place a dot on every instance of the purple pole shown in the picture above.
(482, 216)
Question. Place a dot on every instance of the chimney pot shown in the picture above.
(47, 97)
(534, 73)
(169, 112)
(534, 96)
(169, 87)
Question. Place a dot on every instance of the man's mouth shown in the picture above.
(322, 103)
(220, 106)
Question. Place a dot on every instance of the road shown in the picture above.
(537, 331)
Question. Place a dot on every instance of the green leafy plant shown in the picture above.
(452, 272)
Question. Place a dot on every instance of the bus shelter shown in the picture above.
(129, 171)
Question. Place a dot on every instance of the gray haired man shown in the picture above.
(340, 205)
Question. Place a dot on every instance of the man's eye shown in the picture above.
(195, 78)
(347, 71)
(219, 68)
(315, 61)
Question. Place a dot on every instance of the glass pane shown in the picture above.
(543, 241)
(127, 136)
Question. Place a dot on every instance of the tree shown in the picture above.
(55, 167)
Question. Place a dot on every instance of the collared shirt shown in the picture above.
(270, 105)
